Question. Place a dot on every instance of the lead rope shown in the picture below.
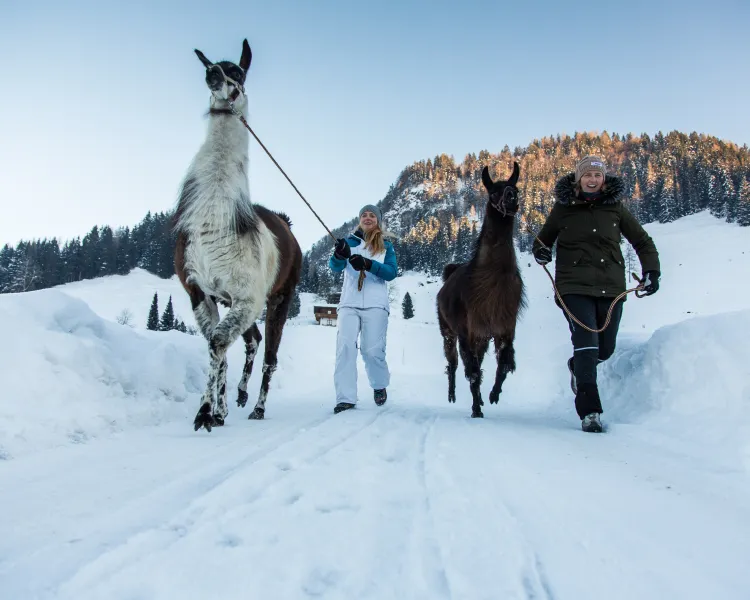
(241, 117)
(637, 290)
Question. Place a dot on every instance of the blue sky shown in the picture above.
(103, 101)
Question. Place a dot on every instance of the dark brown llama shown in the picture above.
(231, 251)
(482, 299)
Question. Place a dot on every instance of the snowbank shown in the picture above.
(69, 375)
(692, 377)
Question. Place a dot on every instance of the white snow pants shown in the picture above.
(372, 324)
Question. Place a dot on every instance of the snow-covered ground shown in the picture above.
(107, 492)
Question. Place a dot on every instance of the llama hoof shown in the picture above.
(257, 415)
(477, 414)
(204, 418)
(241, 398)
(494, 397)
(451, 399)
(218, 420)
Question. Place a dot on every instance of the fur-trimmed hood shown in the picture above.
(611, 192)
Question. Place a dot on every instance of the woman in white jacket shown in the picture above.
(364, 311)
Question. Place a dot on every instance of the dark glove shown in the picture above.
(650, 282)
(359, 262)
(543, 255)
(341, 250)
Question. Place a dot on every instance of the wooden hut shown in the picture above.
(326, 314)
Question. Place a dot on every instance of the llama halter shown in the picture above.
(238, 87)
(509, 194)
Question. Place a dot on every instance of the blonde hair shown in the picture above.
(376, 237)
(375, 240)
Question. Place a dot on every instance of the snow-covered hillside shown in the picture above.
(109, 493)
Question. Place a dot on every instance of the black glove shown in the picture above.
(543, 255)
(341, 250)
(359, 262)
(650, 282)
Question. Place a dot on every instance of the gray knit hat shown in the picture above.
(373, 209)
(590, 163)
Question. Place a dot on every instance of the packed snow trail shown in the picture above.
(408, 501)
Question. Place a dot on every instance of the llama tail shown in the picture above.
(448, 270)
(285, 217)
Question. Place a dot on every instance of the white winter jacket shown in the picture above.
(374, 292)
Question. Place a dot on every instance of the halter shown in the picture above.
(509, 194)
(238, 87)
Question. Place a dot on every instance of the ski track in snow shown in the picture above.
(510, 506)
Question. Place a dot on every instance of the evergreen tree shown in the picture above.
(167, 318)
(123, 252)
(743, 205)
(295, 305)
(407, 306)
(92, 258)
(6, 257)
(153, 314)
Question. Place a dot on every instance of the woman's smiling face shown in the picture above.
(368, 221)
(592, 181)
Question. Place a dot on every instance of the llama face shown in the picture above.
(225, 79)
(503, 194)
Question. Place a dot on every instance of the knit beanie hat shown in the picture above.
(590, 163)
(373, 209)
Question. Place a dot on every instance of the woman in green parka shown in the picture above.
(587, 222)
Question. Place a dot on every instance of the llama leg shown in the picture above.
(451, 355)
(206, 314)
(276, 314)
(221, 394)
(506, 363)
(227, 331)
(472, 355)
(252, 339)
(205, 417)
(207, 317)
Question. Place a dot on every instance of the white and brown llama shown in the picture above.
(229, 250)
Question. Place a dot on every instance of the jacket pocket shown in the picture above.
(617, 259)
(570, 258)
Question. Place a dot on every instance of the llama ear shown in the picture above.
(486, 179)
(514, 177)
(206, 63)
(247, 56)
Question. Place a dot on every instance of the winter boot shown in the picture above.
(342, 406)
(572, 375)
(380, 397)
(589, 406)
(591, 423)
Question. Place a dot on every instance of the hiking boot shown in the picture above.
(573, 385)
(591, 423)
(342, 406)
(380, 397)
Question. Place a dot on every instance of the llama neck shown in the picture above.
(496, 250)
(227, 136)
(215, 198)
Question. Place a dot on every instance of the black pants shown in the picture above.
(589, 349)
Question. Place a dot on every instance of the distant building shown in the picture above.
(326, 314)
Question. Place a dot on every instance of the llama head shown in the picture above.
(225, 79)
(503, 194)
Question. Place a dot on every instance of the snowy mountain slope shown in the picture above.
(109, 296)
(414, 500)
